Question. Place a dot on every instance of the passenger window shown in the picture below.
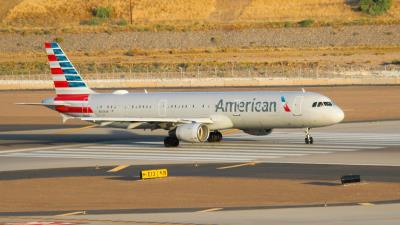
(320, 104)
(328, 103)
(314, 104)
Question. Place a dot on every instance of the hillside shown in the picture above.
(48, 13)
(199, 34)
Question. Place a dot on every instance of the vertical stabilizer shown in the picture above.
(72, 91)
(67, 80)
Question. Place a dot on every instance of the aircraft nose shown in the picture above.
(338, 115)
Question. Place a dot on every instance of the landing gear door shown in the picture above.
(162, 108)
(298, 101)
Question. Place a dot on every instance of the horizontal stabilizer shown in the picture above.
(42, 104)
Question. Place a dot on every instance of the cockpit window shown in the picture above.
(322, 104)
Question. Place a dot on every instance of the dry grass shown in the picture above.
(320, 10)
(45, 12)
(6, 6)
(161, 10)
(177, 12)
(50, 12)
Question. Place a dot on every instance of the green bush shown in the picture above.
(122, 22)
(375, 7)
(102, 12)
(306, 23)
(288, 24)
(58, 39)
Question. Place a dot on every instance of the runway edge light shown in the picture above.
(151, 174)
(350, 179)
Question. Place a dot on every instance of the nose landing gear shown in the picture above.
(215, 136)
(308, 139)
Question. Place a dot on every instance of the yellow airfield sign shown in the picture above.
(151, 174)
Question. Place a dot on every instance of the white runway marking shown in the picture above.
(236, 148)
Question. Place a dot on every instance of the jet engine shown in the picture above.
(193, 132)
(260, 132)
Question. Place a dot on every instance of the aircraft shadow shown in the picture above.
(323, 183)
(7, 139)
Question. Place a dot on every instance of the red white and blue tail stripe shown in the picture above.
(66, 78)
(72, 91)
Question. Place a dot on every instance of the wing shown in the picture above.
(152, 120)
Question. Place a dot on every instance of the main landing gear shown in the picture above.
(171, 141)
(215, 136)
(308, 139)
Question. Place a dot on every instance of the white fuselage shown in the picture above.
(242, 110)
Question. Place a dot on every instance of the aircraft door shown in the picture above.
(85, 106)
(162, 107)
(298, 101)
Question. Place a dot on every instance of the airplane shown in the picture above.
(193, 117)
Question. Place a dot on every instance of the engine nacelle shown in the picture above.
(193, 132)
(261, 132)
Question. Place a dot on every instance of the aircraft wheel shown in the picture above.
(309, 140)
(215, 136)
(219, 134)
(171, 142)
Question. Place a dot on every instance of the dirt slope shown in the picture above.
(63, 12)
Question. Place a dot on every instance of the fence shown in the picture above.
(216, 78)
(217, 72)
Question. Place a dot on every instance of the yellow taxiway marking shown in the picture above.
(210, 210)
(74, 130)
(237, 165)
(118, 168)
(73, 213)
(231, 131)
(366, 204)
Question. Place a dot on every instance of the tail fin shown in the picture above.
(67, 80)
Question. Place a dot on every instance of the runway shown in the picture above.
(369, 149)
(335, 145)
(343, 215)
(235, 148)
